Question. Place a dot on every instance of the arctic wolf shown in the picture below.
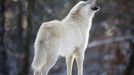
(67, 38)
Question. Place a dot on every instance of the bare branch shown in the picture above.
(109, 41)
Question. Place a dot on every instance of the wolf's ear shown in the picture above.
(75, 12)
(76, 9)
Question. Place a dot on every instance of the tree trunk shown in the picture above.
(27, 39)
(3, 54)
(13, 35)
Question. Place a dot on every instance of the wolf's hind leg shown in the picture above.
(37, 73)
(51, 60)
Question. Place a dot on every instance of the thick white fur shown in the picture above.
(67, 38)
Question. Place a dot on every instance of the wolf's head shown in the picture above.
(84, 9)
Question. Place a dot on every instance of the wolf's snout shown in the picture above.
(95, 7)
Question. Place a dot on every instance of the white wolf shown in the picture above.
(68, 38)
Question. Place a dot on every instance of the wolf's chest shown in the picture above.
(71, 41)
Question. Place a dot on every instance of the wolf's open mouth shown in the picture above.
(95, 7)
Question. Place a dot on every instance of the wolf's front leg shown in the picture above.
(79, 60)
(69, 63)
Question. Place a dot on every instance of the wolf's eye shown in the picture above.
(84, 4)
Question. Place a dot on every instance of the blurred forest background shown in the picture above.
(111, 45)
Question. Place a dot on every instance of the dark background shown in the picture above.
(111, 45)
